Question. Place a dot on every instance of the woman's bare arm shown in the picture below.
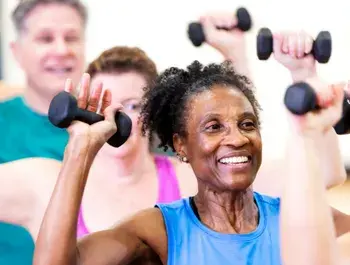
(306, 221)
(57, 241)
(142, 236)
(333, 170)
(307, 228)
(24, 191)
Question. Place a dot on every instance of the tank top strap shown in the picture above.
(169, 189)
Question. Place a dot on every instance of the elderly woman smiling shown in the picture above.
(210, 117)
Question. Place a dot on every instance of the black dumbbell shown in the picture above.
(196, 33)
(64, 110)
(321, 50)
(300, 98)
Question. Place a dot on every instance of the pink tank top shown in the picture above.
(168, 189)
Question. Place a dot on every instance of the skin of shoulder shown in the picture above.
(150, 227)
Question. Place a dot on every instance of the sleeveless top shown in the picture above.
(191, 242)
(168, 189)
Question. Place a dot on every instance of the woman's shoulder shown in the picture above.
(144, 221)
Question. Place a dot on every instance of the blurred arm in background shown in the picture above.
(231, 44)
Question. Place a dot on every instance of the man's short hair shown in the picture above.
(24, 7)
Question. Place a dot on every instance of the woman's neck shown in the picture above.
(227, 212)
(128, 170)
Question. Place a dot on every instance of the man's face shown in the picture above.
(51, 47)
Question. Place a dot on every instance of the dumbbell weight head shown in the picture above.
(196, 33)
(244, 21)
(124, 126)
(264, 44)
(300, 98)
(322, 47)
(64, 110)
(343, 125)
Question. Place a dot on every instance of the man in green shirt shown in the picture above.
(49, 48)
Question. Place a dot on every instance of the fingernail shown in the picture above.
(68, 82)
(85, 78)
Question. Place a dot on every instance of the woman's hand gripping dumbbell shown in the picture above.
(300, 98)
(65, 109)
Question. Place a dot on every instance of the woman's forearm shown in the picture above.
(241, 64)
(56, 243)
(307, 229)
(333, 169)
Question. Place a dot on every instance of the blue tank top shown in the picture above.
(25, 133)
(191, 242)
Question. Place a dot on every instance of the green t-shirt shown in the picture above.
(23, 134)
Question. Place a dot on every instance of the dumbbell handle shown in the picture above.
(88, 117)
(199, 25)
(300, 98)
(121, 119)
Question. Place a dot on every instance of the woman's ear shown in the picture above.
(180, 147)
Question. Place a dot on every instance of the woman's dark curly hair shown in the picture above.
(164, 106)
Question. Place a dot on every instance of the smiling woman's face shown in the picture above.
(223, 142)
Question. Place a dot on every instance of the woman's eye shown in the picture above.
(132, 106)
(213, 127)
(248, 125)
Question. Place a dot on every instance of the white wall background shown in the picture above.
(159, 27)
